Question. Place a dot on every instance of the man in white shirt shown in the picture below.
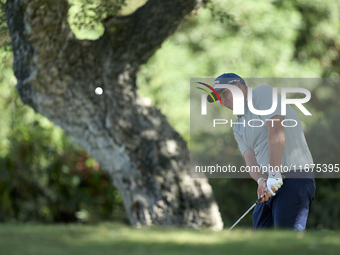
(286, 197)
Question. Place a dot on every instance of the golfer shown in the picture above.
(286, 196)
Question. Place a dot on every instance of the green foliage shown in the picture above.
(325, 134)
(325, 212)
(318, 38)
(4, 33)
(85, 17)
(88, 14)
(218, 13)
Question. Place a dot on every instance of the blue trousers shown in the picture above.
(289, 208)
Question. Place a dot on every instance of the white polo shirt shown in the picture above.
(296, 154)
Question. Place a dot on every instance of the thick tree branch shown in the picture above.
(143, 32)
(40, 33)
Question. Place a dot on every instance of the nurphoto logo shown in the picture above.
(238, 99)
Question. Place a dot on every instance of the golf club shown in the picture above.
(257, 201)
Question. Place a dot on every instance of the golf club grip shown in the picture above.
(258, 200)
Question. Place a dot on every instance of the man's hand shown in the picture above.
(274, 182)
(262, 191)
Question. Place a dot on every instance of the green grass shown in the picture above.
(111, 238)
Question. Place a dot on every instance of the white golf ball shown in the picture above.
(98, 91)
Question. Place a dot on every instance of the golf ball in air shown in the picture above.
(98, 91)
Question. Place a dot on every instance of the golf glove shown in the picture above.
(274, 180)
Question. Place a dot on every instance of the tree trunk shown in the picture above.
(57, 75)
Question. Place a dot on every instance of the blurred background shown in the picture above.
(45, 177)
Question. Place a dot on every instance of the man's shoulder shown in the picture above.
(263, 88)
(262, 92)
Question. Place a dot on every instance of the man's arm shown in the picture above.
(256, 174)
(276, 142)
(249, 157)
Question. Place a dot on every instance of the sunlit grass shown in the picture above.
(109, 238)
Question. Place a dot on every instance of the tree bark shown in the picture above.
(57, 75)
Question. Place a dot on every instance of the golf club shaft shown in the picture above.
(257, 201)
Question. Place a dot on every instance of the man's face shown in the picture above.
(226, 98)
